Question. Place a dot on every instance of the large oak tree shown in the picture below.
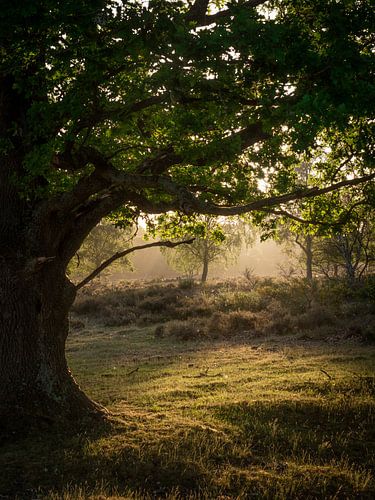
(128, 108)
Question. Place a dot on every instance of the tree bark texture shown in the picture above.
(34, 377)
(35, 298)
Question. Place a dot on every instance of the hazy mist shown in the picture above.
(264, 258)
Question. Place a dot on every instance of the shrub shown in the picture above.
(116, 317)
(252, 280)
(223, 309)
(247, 301)
(145, 320)
(280, 326)
(354, 309)
(185, 330)
(186, 283)
(88, 305)
(362, 327)
(366, 289)
(315, 317)
(153, 305)
(218, 325)
(227, 324)
(240, 321)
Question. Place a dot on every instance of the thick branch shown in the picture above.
(105, 173)
(129, 189)
(119, 255)
(112, 188)
(223, 14)
(187, 202)
(203, 207)
(197, 11)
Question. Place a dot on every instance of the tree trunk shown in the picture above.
(346, 251)
(35, 295)
(204, 270)
(35, 382)
(309, 258)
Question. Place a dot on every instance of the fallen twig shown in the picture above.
(326, 374)
(201, 375)
(132, 371)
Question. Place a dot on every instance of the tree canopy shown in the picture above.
(153, 106)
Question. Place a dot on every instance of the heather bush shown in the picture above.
(315, 317)
(241, 321)
(185, 330)
(155, 304)
(227, 308)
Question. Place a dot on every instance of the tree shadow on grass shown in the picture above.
(325, 449)
(289, 449)
(100, 460)
(304, 430)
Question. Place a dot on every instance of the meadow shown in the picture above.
(231, 391)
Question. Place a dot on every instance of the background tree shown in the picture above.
(340, 245)
(219, 243)
(103, 241)
(131, 108)
(305, 244)
(350, 251)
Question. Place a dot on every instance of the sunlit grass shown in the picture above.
(273, 418)
(272, 396)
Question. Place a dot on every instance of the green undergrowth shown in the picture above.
(322, 309)
(272, 417)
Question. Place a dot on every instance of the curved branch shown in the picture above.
(119, 255)
(106, 175)
(190, 203)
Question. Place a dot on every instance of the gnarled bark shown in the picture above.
(35, 297)
(35, 381)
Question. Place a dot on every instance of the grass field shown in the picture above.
(222, 392)
(272, 417)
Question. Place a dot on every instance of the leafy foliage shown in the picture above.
(215, 102)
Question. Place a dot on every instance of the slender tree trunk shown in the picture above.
(347, 254)
(204, 271)
(205, 263)
(309, 258)
(350, 273)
